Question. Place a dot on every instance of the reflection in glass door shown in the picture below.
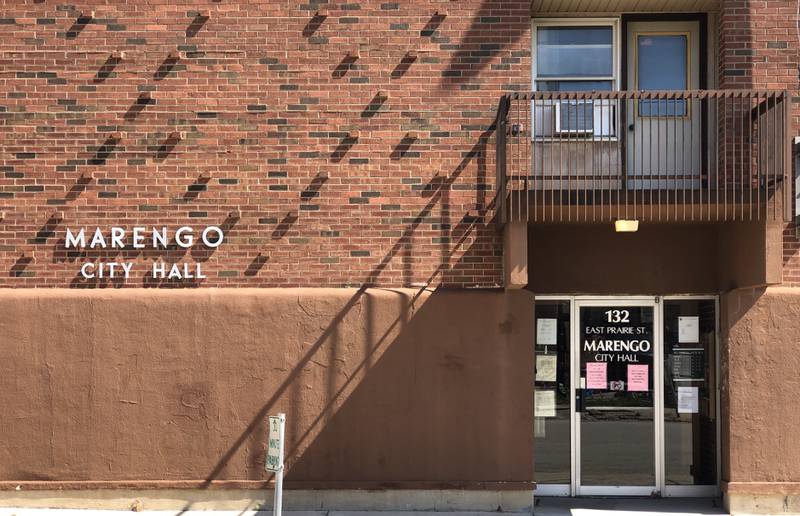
(615, 398)
(552, 429)
(691, 443)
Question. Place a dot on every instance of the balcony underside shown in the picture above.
(647, 205)
(616, 6)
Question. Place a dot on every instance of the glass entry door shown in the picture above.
(626, 396)
(618, 368)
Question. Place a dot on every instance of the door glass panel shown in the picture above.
(690, 402)
(662, 64)
(552, 455)
(617, 430)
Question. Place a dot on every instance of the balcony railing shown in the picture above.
(669, 156)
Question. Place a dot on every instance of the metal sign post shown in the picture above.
(274, 460)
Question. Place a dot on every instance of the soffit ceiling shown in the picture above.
(621, 6)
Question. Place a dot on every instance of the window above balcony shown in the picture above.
(575, 55)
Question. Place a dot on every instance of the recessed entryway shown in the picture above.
(626, 396)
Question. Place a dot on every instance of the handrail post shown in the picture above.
(500, 161)
(787, 158)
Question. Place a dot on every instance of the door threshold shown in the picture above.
(635, 505)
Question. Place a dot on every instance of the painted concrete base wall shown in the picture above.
(154, 389)
(469, 501)
(761, 400)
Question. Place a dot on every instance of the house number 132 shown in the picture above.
(618, 316)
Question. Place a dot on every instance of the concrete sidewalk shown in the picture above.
(544, 507)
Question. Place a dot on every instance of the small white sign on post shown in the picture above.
(274, 460)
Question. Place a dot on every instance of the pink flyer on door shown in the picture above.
(596, 377)
(637, 377)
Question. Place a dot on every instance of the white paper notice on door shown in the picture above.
(688, 400)
(544, 403)
(546, 368)
(546, 332)
(688, 329)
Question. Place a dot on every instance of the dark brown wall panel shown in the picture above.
(593, 259)
(379, 386)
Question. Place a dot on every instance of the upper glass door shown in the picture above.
(616, 410)
(664, 136)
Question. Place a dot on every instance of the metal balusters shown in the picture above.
(690, 155)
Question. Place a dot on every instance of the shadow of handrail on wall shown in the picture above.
(483, 41)
(255, 427)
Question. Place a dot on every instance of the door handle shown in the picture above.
(579, 400)
(630, 127)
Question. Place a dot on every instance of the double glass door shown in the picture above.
(625, 396)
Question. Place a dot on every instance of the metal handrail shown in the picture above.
(702, 155)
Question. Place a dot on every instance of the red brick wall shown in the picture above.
(251, 125)
(759, 45)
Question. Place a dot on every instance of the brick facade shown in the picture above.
(336, 144)
(758, 49)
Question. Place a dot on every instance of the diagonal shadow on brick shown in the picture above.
(346, 64)
(166, 148)
(138, 106)
(48, 230)
(433, 25)
(256, 265)
(103, 152)
(403, 149)
(166, 67)
(313, 24)
(374, 106)
(196, 25)
(284, 226)
(77, 27)
(78, 188)
(312, 190)
(19, 266)
(403, 66)
(343, 148)
(480, 44)
(106, 69)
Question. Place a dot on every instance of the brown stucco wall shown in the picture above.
(171, 388)
(760, 388)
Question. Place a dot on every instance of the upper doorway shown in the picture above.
(663, 137)
(597, 142)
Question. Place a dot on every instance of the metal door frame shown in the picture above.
(686, 491)
(661, 489)
(611, 301)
